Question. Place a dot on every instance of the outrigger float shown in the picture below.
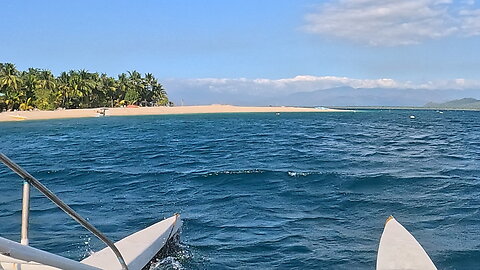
(134, 252)
(399, 250)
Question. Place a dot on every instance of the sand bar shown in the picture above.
(79, 113)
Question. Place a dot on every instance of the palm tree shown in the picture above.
(63, 86)
(85, 86)
(75, 89)
(154, 91)
(150, 83)
(159, 96)
(122, 86)
(30, 84)
(46, 94)
(135, 87)
(9, 85)
(9, 78)
(27, 105)
(109, 88)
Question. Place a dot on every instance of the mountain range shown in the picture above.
(339, 96)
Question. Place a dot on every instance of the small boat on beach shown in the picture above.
(399, 250)
(134, 252)
(101, 112)
(18, 117)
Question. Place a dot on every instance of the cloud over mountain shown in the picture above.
(317, 90)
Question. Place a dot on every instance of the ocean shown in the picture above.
(255, 190)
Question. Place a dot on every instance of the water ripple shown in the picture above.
(301, 191)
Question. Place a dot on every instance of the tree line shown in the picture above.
(39, 88)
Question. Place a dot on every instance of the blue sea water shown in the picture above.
(255, 191)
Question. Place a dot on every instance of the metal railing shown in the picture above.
(30, 180)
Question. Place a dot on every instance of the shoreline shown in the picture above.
(124, 111)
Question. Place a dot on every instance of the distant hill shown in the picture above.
(249, 94)
(347, 96)
(464, 103)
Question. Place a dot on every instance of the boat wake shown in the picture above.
(172, 256)
(167, 263)
(87, 248)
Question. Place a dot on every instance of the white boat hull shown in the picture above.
(137, 249)
(399, 250)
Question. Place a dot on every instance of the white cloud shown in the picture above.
(392, 22)
(471, 22)
(317, 90)
(307, 83)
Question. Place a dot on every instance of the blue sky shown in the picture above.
(251, 43)
(170, 38)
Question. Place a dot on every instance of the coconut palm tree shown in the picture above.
(75, 89)
(9, 85)
(9, 77)
(27, 105)
(63, 86)
(135, 87)
(30, 84)
(155, 92)
(159, 96)
(109, 87)
(46, 94)
(122, 87)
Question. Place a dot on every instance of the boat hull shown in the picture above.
(138, 250)
(398, 249)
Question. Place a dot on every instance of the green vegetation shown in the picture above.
(464, 103)
(37, 88)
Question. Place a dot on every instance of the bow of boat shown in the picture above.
(398, 249)
(139, 248)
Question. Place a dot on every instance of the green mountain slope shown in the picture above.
(464, 103)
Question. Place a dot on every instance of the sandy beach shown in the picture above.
(79, 113)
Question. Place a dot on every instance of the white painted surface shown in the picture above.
(35, 259)
(137, 249)
(399, 250)
(25, 212)
(9, 263)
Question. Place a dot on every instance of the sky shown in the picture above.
(218, 48)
